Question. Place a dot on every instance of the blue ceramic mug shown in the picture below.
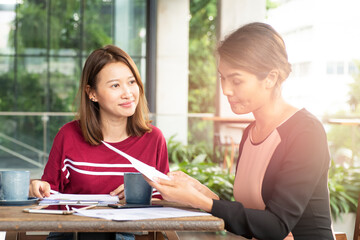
(14, 185)
(137, 190)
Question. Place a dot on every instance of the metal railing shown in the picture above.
(42, 154)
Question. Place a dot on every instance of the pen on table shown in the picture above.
(83, 208)
(88, 207)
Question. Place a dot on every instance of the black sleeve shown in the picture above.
(243, 221)
(305, 158)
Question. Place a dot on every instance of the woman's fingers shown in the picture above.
(45, 189)
(33, 190)
(158, 181)
(39, 189)
(152, 183)
(118, 191)
(180, 176)
(173, 189)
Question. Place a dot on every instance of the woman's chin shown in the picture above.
(240, 110)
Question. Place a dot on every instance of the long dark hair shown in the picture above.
(89, 112)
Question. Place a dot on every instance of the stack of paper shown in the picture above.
(138, 213)
(79, 199)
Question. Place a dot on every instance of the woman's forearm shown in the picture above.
(203, 202)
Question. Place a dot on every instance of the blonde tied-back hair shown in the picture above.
(256, 48)
(89, 112)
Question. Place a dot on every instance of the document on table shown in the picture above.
(138, 213)
(79, 199)
(148, 171)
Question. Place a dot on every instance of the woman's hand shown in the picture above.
(39, 189)
(181, 176)
(184, 189)
(119, 191)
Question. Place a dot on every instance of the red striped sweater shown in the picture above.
(75, 166)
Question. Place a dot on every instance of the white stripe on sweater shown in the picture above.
(91, 172)
(96, 164)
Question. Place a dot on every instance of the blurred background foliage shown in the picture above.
(344, 140)
(75, 34)
(344, 186)
(202, 62)
(197, 161)
(344, 143)
(65, 25)
(202, 69)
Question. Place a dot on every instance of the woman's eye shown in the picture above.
(115, 85)
(237, 81)
(132, 82)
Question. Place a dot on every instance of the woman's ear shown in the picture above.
(91, 93)
(272, 78)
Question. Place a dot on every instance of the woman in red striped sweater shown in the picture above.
(113, 109)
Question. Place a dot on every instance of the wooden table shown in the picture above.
(13, 219)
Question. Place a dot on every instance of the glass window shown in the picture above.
(130, 17)
(31, 84)
(31, 27)
(64, 81)
(335, 68)
(352, 68)
(7, 13)
(65, 27)
(98, 24)
(340, 68)
(7, 83)
(21, 146)
(43, 47)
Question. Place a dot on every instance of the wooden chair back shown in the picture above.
(340, 236)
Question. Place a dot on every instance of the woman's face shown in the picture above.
(117, 91)
(244, 91)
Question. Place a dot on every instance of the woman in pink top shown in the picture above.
(280, 187)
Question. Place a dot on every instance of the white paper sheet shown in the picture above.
(138, 213)
(148, 171)
(80, 199)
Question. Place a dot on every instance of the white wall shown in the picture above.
(172, 67)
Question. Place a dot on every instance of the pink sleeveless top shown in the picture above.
(251, 169)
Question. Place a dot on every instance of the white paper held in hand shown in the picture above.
(148, 171)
